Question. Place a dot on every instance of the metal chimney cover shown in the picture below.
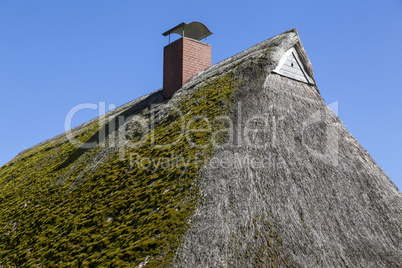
(194, 30)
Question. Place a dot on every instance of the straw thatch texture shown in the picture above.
(293, 188)
(318, 199)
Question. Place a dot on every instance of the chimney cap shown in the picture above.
(194, 30)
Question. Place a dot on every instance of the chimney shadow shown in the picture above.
(111, 126)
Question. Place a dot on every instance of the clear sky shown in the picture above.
(57, 54)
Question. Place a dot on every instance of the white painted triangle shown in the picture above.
(290, 65)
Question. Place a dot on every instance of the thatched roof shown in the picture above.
(292, 189)
(324, 199)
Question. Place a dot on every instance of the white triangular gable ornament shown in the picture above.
(290, 65)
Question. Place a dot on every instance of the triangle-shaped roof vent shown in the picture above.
(290, 65)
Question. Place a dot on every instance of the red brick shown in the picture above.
(182, 60)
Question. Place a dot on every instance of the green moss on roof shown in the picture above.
(121, 214)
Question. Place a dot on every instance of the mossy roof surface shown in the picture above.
(62, 204)
(118, 214)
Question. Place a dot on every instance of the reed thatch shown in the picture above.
(319, 200)
(292, 189)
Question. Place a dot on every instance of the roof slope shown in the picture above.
(292, 188)
(312, 197)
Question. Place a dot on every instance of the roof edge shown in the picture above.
(280, 42)
(277, 46)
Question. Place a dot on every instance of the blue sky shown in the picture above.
(57, 54)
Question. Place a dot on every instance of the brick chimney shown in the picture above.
(185, 57)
